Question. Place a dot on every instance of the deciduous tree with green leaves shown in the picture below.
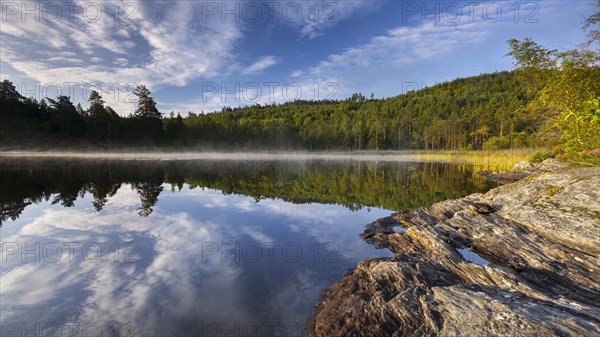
(569, 90)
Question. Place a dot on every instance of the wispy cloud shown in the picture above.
(165, 45)
(260, 65)
(313, 18)
(402, 46)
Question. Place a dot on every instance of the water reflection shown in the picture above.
(143, 248)
(352, 184)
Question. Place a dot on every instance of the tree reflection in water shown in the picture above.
(354, 184)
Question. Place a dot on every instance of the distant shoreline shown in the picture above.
(506, 157)
(218, 155)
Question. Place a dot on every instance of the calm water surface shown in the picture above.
(192, 248)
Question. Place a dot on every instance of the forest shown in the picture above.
(486, 111)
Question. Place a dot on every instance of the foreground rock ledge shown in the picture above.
(541, 236)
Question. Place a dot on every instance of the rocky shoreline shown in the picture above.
(520, 260)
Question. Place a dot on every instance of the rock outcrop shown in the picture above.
(520, 260)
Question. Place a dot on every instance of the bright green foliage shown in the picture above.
(569, 89)
(539, 156)
(581, 132)
(568, 92)
(533, 62)
(574, 82)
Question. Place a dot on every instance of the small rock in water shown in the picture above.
(523, 166)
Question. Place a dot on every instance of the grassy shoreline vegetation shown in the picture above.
(498, 160)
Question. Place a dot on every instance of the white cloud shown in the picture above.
(260, 65)
(170, 46)
(160, 44)
(121, 61)
(313, 18)
(399, 48)
(64, 59)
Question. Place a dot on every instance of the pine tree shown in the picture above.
(150, 123)
(9, 93)
(146, 104)
(97, 110)
(64, 116)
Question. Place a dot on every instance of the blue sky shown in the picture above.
(203, 55)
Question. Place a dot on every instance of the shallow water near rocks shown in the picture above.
(473, 257)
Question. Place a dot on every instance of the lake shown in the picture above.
(114, 247)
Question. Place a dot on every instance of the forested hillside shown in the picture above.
(462, 114)
(486, 111)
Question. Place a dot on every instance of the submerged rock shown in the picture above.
(541, 237)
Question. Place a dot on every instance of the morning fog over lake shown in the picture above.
(194, 247)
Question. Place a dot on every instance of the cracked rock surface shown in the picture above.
(536, 271)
